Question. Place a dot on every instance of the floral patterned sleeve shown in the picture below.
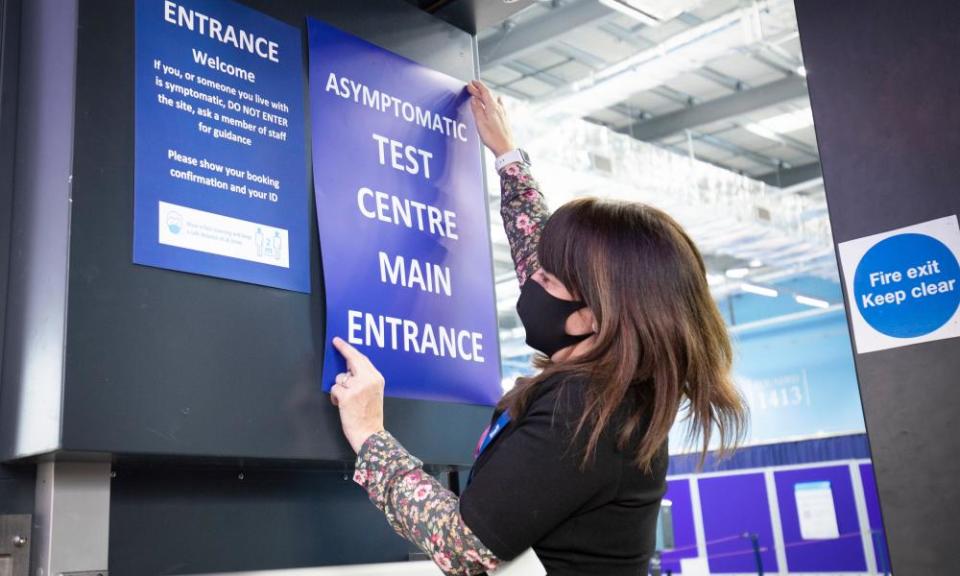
(524, 213)
(419, 508)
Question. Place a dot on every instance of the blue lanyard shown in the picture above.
(495, 430)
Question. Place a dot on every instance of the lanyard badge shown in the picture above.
(493, 431)
(487, 438)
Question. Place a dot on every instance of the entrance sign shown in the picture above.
(904, 285)
(220, 177)
(403, 221)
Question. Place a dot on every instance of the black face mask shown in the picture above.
(544, 318)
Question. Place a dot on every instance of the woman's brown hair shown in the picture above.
(661, 343)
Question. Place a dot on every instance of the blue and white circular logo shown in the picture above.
(907, 285)
(174, 222)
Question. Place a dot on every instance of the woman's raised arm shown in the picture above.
(522, 206)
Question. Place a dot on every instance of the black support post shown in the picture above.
(884, 93)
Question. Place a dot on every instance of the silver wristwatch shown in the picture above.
(515, 155)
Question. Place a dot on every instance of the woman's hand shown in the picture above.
(491, 119)
(359, 395)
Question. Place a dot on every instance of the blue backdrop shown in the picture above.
(794, 365)
(403, 221)
(733, 506)
(799, 379)
(684, 529)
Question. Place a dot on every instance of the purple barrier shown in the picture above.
(734, 506)
(843, 553)
(684, 532)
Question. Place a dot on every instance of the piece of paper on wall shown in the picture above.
(816, 511)
(694, 567)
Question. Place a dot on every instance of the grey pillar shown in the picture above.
(884, 93)
(72, 518)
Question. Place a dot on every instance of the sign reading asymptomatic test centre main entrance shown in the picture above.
(403, 221)
(220, 176)
(904, 285)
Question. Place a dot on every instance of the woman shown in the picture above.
(615, 297)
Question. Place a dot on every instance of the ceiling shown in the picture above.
(697, 106)
(714, 108)
(472, 15)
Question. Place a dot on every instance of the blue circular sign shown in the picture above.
(907, 285)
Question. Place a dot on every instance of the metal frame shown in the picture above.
(15, 544)
(72, 529)
(33, 360)
(721, 108)
(779, 544)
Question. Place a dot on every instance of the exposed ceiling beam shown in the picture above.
(721, 108)
(542, 74)
(735, 149)
(513, 41)
(792, 176)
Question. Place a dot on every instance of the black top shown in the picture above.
(528, 490)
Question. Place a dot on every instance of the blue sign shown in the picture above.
(403, 221)
(220, 177)
(907, 285)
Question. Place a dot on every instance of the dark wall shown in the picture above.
(885, 91)
(9, 60)
(169, 371)
(190, 520)
(16, 482)
(162, 362)
(170, 364)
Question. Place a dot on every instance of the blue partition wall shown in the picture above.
(843, 554)
(732, 506)
(735, 503)
(872, 501)
(798, 378)
(684, 526)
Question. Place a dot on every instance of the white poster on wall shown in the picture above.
(694, 567)
(816, 511)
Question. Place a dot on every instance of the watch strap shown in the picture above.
(515, 155)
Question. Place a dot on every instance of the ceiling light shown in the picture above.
(815, 302)
(650, 12)
(756, 263)
(772, 128)
(738, 273)
(763, 132)
(759, 290)
(801, 71)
